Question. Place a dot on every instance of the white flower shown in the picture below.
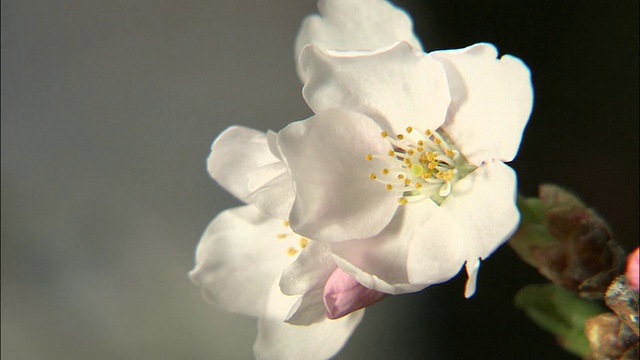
(239, 262)
(449, 119)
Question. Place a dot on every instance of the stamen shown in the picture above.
(304, 242)
(291, 251)
(420, 165)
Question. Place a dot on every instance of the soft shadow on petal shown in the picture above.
(335, 198)
(438, 254)
(275, 198)
(477, 217)
(310, 270)
(279, 340)
(399, 87)
(483, 208)
(491, 101)
(355, 25)
(380, 262)
(309, 309)
(241, 162)
(238, 259)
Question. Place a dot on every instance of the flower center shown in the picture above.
(421, 165)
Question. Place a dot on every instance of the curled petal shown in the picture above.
(238, 258)
(491, 102)
(335, 199)
(308, 309)
(472, 273)
(242, 163)
(353, 25)
(398, 87)
(310, 270)
(279, 340)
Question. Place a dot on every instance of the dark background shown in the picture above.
(108, 112)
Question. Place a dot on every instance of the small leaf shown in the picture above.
(560, 312)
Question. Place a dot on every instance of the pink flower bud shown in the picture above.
(343, 295)
(632, 269)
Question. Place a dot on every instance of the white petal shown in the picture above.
(355, 25)
(477, 217)
(491, 102)
(483, 205)
(380, 262)
(399, 87)
(283, 341)
(437, 254)
(307, 277)
(335, 198)
(239, 257)
(241, 162)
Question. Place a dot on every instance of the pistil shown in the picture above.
(422, 165)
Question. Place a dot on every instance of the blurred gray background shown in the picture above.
(108, 112)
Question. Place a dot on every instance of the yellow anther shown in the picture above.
(304, 242)
(409, 129)
(420, 143)
(431, 156)
(428, 132)
(389, 187)
(420, 149)
(384, 134)
(410, 152)
(291, 251)
(281, 236)
(449, 152)
(424, 159)
(385, 171)
(400, 137)
(447, 175)
(402, 201)
(407, 161)
(400, 177)
(369, 157)
(407, 181)
(285, 223)
(432, 165)
(437, 141)
(418, 185)
(372, 176)
(391, 153)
